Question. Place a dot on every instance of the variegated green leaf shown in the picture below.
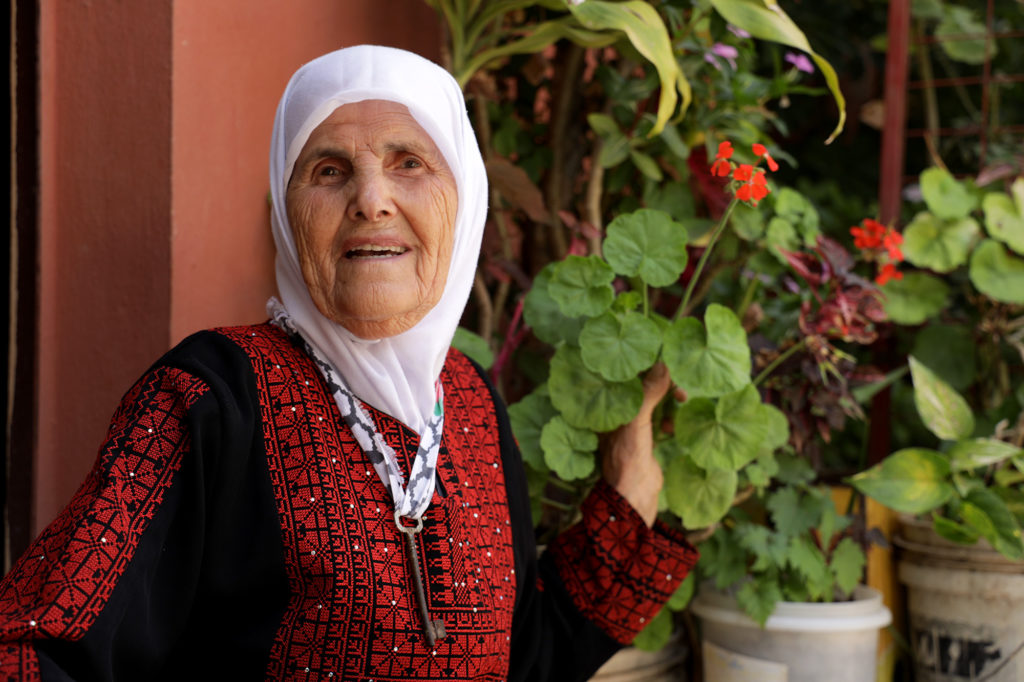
(942, 409)
(913, 480)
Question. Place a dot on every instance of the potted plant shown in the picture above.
(959, 478)
(660, 280)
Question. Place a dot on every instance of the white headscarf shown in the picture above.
(394, 374)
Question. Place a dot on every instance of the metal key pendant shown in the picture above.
(433, 629)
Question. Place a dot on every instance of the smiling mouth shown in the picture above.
(376, 252)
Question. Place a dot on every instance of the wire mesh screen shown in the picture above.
(965, 94)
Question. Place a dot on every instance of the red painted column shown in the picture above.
(155, 123)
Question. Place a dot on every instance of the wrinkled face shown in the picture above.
(372, 205)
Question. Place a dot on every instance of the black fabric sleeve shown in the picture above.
(167, 563)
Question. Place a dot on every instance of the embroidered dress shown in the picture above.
(233, 528)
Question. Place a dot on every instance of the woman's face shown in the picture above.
(372, 205)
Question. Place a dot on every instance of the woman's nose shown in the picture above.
(372, 201)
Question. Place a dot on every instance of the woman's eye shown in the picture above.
(411, 162)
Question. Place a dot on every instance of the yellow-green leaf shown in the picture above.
(766, 20)
(913, 480)
(647, 32)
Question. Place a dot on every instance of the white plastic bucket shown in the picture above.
(636, 665)
(801, 642)
(966, 608)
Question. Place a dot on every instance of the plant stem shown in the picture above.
(559, 483)
(800, 345)
(723, 221)
(557, 505)
(748, 296)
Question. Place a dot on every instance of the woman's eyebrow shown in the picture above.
(327, 153)
(408, 146)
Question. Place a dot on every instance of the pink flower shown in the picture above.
(726, 52)
(800, 61)
(737, 31)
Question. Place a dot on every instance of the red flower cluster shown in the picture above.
(882, 244)
(752, 183)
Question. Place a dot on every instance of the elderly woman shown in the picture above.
(336, 493)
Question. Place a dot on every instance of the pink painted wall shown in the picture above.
(232, 60)
(104, 255)
(156, 119)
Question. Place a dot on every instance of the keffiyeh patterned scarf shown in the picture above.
(410, 501)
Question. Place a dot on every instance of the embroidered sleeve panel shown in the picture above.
(618, 571)
(57, 589)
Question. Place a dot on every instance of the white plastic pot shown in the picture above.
(966, 607)
(801, 642)
(635, 665)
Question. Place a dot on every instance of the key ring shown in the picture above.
(408, 530)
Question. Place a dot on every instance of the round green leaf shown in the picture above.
(543, 315)
(528, 417)
(747, 222)
(582, 286)
(1003, 220)
(913, 480)
(915, 298)
(940, 245)
(588, 401)
(649, 244)
(943, 410)
(712, 362)
(732, 432)
(958, 22)
(946, 196)
(568, 451)
(619, 347)
(699, 496)
(997, 273)
(948, 350)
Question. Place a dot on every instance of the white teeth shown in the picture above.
(376, 251)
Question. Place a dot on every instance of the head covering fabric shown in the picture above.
(394, 374)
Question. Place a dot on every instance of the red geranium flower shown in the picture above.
(887, 273)
(721, 167)
(869, 236)
(762, 152)
(753, 185)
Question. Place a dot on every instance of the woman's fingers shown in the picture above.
(656, 385)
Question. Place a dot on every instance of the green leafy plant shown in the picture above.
(963, 316)
(586, 110)
(799, 552)
(964, 307)
(972, 487)
(611, 315)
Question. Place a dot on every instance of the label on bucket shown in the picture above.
(945, 650)
(722, 665)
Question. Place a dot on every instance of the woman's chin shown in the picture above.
(379, 324)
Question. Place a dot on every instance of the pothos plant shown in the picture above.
(729, 469)
(961, 311)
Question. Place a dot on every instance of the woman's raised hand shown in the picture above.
(628, 463)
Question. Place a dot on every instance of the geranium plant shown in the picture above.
(725, 451)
